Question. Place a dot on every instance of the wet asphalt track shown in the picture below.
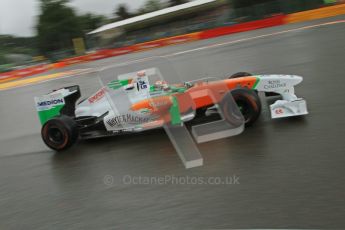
(291, 171)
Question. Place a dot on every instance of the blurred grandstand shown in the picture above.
(192, 17)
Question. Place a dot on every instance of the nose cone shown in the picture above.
(297, 79)
(289, 79)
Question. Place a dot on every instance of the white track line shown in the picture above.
(191, 50)
(223, 44)
(253, 38)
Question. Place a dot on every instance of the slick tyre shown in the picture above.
(248, 103)
(240, 74)
(60, 133)
(246, 74)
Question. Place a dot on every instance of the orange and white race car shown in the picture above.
(132, 103)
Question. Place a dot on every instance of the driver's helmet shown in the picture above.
(161, 85)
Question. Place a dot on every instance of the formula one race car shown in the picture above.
(132, 103)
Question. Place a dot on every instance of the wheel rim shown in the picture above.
(55, 135)
(231, 116)
(244, 109)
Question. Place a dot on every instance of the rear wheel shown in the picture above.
(60, 133)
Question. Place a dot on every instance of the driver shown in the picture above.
(161, 85)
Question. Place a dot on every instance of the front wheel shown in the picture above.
(60, 133)
(240, 74)
(248, 103)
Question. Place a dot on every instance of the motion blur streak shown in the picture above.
(40, 79)
(291, 170)
(256, 37)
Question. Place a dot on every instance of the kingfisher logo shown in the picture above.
(51, 102)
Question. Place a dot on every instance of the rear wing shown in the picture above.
(56, 103)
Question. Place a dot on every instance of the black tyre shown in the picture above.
(240, 74)
(60, 133)
(249, 104)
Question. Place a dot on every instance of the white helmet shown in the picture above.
(161, 85)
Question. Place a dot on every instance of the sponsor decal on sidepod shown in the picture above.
(127, 119)
(97, 96)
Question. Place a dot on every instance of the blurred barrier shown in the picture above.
(277, 20)
(258, 24)
(274, 21)
(129, 49)
(168, 41)
(71, 61)
(316, 14)
(206, 34)
(8, 76)
(148, 45)
(58, 65)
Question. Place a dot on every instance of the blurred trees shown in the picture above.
(57, 25)
(150, 6)
(89, 22)
(176, 2)
(247, 3)
(261, 7)
(122, 12)
(18, 45)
